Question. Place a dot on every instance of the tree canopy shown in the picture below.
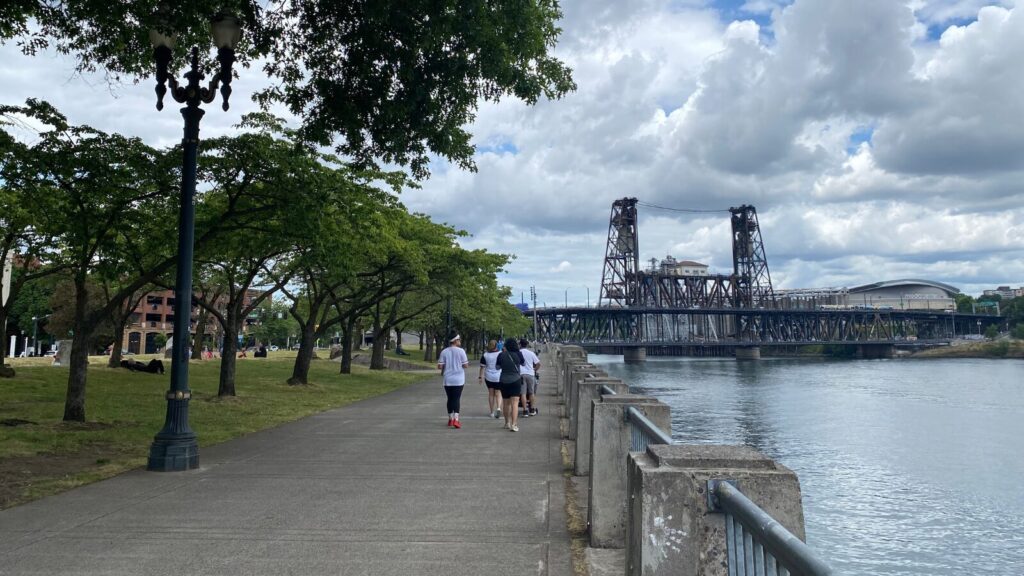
(382, 80)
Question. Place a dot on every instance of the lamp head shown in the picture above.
(226, 30)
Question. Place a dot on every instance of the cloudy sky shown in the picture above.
(878, 139)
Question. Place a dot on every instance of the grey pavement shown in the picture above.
(379, 488)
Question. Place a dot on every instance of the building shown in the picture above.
(1005, 292)
(905, 294)
(155, 315)
(672, 267)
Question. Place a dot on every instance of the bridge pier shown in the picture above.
(634, 355)
(748, 353)
(875, 351)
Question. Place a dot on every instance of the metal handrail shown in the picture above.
(643, 431)
(756, 542)
(606, 389)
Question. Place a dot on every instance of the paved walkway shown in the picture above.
(378, 488)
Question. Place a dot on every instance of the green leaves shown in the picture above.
(383, 80)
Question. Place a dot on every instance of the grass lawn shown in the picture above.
(41, 455)
(415, 357)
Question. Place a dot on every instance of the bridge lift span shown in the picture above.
(661, 309)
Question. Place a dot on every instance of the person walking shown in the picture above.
(509, 361)
(531, 363)
(453, 363)
(490, 374)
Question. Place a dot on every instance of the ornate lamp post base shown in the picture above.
(173, 455)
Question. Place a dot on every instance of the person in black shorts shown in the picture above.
(509, 360)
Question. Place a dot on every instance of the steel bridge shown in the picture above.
(664, 312)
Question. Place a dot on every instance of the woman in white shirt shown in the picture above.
(490, 374)
(453, 363)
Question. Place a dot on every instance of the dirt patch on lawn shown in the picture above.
(22, 476)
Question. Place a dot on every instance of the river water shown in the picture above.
(906, 466)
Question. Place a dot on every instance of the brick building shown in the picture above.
(155, 315)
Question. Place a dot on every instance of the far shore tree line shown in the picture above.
(91, 219)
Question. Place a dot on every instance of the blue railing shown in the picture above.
(756, 543)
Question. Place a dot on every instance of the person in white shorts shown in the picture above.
(531, 363)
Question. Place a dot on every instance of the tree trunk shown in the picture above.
(377, 356)
(197, 345)
(347, 332)
(5, 371)
(398, 339)
(421, 339)
(428, 353)
(228, 359)
(118, 346)
(74, 400)
(300, 372)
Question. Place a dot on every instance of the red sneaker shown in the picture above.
(450, 420)
(456, 424)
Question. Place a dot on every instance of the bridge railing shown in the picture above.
(756, 543)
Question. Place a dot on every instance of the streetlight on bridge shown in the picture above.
(175, 447)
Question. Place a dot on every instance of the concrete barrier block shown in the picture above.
(587, 391)
(578, 373)
(671, 531)
(610, 442)
(567, 367)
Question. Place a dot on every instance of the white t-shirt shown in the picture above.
(490, 363)
(530, 359)
(453, 360)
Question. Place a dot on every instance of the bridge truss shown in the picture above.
(660, 308)
(654, 326)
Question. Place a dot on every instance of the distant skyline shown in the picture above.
(878, 140)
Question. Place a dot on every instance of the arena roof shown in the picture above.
(906, 282)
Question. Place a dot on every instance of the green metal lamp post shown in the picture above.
(175, 448)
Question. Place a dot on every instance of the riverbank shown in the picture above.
(41, 455)
(988, 349)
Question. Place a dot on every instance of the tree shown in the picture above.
(20, 238)
(103, 200)
(395, 82)
(349, 239)
(964, 303)
(992, 332)
(109, 203)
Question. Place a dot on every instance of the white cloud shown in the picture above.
(872, 147)
(563, 266)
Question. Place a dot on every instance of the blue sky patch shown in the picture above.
(499, 148)
(860, 135)
(935, 30)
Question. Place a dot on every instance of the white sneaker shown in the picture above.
(515, 428)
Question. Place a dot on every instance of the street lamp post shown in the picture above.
(174, 447)
(588, 296)
(35, 336)
(533, 298)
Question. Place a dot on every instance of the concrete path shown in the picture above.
(378, 488)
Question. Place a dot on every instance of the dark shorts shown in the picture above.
(513, 390)
(493, 385)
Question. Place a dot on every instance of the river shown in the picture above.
(906, 466)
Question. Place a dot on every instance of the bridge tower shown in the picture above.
(622, 256)
(749, 263)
